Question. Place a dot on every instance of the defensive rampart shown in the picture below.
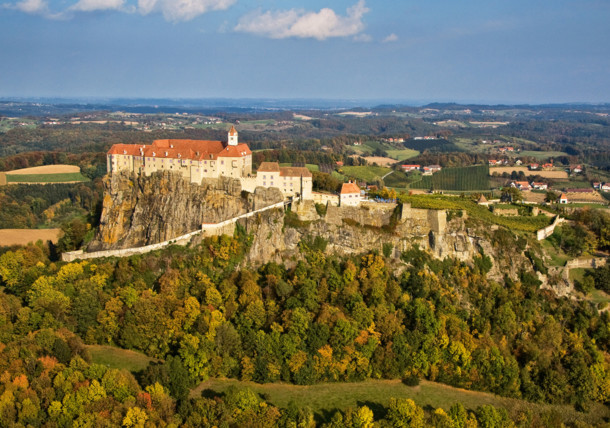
(210, 229)
(548, 231)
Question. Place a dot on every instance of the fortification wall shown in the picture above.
(591, 263)
(367, 214)
(325, 198)
(548, 231)
(210, 229)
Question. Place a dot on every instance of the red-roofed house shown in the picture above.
(350, 195)
(563, 199)
(521, 185)
(409, 168)
(540, 185)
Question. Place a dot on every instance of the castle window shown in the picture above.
(222, 162)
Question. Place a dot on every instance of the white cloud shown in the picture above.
(391, 38)
(34, 7)
(182, 10)
(303, 24)
(93, 5)
(363, 37)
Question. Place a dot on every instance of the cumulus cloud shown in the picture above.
(303, 24)
(391, 38)
(182, 10)
(93, 5)
(34, 7)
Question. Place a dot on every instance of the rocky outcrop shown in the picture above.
(140, 210)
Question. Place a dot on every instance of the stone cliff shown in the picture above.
(139, 210)
(351, 230)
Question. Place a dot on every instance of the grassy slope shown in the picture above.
(324, 398)
(365, 173)
(118, 358)
(46, 178)
(516, 223)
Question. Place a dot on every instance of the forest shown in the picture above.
(200, 313)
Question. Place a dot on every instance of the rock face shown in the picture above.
(140, 210)
(352, 230)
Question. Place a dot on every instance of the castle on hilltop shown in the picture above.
(200, 159)
(194, 159)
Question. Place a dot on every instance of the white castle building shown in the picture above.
(199, 159)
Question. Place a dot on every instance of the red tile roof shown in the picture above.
(269, 167)
(126, 149)
(295, 171)
(183, 149)
(350, 188)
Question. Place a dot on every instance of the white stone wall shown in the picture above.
(325, 198)
(350, 199)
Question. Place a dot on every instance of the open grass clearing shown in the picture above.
(402, 154)
(10, 237)
(68, 177)
(365, 173)
(323, 399)
(117, 358)
(558, 257)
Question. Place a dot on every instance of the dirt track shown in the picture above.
(24, 236)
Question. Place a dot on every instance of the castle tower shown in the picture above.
(232, 140)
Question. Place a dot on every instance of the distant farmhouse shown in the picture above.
(199, 159)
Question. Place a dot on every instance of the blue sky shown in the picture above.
(428, 50)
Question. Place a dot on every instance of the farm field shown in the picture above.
(71, 177)
(118, 358)
(397, 154)
(365, 173)
(542, 155)
(560, 175)
(46, 174)
(379, 160)
(324, 398)
(46, 169)
(402, 154)
(24, 236)
(460, 179)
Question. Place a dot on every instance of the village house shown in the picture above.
(575, 169)
(409, 168)
(431, 169)
(350, 195)
(539, 185)
(605, 187)
(563, 199)
(521, 185)
(534, 166)
(597, 185)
